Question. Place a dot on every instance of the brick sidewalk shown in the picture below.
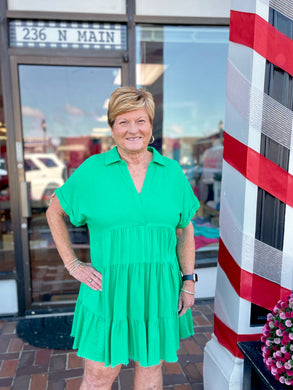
(24, 367)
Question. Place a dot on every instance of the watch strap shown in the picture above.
(190, 277)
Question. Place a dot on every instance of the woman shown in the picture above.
(133, 302)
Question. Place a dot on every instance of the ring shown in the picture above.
(90, 280)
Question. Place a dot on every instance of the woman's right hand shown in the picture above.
(86, 274)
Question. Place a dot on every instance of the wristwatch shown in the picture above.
(190, 277)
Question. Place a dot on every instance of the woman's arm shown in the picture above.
(186, 255)
(84, 273)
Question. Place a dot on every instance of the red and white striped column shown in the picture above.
(256, 240)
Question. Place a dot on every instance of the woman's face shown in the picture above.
(132, 131)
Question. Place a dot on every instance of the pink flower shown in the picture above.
(282, 379)
(284, 305)
(287, 365)
(288, 323)
(277, 336)
(283, 315)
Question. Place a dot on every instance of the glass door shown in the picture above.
(63, 121)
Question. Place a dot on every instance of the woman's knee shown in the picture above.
(96, 374)
(148, 378)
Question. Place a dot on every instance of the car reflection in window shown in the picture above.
(45, 172)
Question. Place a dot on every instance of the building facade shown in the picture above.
(60, 61)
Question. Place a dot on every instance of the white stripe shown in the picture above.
(239, 198)
(237, 231)
(262, 112)
(287, 278)
(253, 6)
(231, 309)
(240, 128)
(237, 216)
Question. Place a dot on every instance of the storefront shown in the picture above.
(59, 65)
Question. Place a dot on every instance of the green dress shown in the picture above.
(133, 245)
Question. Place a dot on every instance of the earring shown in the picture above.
(152, 140)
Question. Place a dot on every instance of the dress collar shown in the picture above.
(112, 156)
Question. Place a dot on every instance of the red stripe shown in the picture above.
(251, 287)
(259, 170)
(251, 30)
(229, 339)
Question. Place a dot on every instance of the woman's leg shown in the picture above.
(148, 378)
(97, 376)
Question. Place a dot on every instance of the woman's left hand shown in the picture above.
(186, 300)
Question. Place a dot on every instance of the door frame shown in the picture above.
(24, 281)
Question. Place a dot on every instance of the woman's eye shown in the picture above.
(141, 121)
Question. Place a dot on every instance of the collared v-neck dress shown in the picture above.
(133, 244)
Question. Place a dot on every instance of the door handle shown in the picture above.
(25, 199)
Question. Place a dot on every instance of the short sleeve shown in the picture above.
(190, 204)
(71, 196)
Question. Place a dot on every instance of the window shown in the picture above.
(30, 165)
(184, 68)
(48, 162)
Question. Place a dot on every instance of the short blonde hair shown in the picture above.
(125, 99)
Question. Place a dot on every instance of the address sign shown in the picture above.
(74, 35)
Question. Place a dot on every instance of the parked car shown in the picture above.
(45, 172)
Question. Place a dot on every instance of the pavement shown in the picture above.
(25, 367)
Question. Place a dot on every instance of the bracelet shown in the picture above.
(188, 292)
(71, 262)
(73, 265)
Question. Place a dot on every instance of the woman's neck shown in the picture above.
(135, 158)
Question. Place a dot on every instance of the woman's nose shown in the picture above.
(132, 128)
